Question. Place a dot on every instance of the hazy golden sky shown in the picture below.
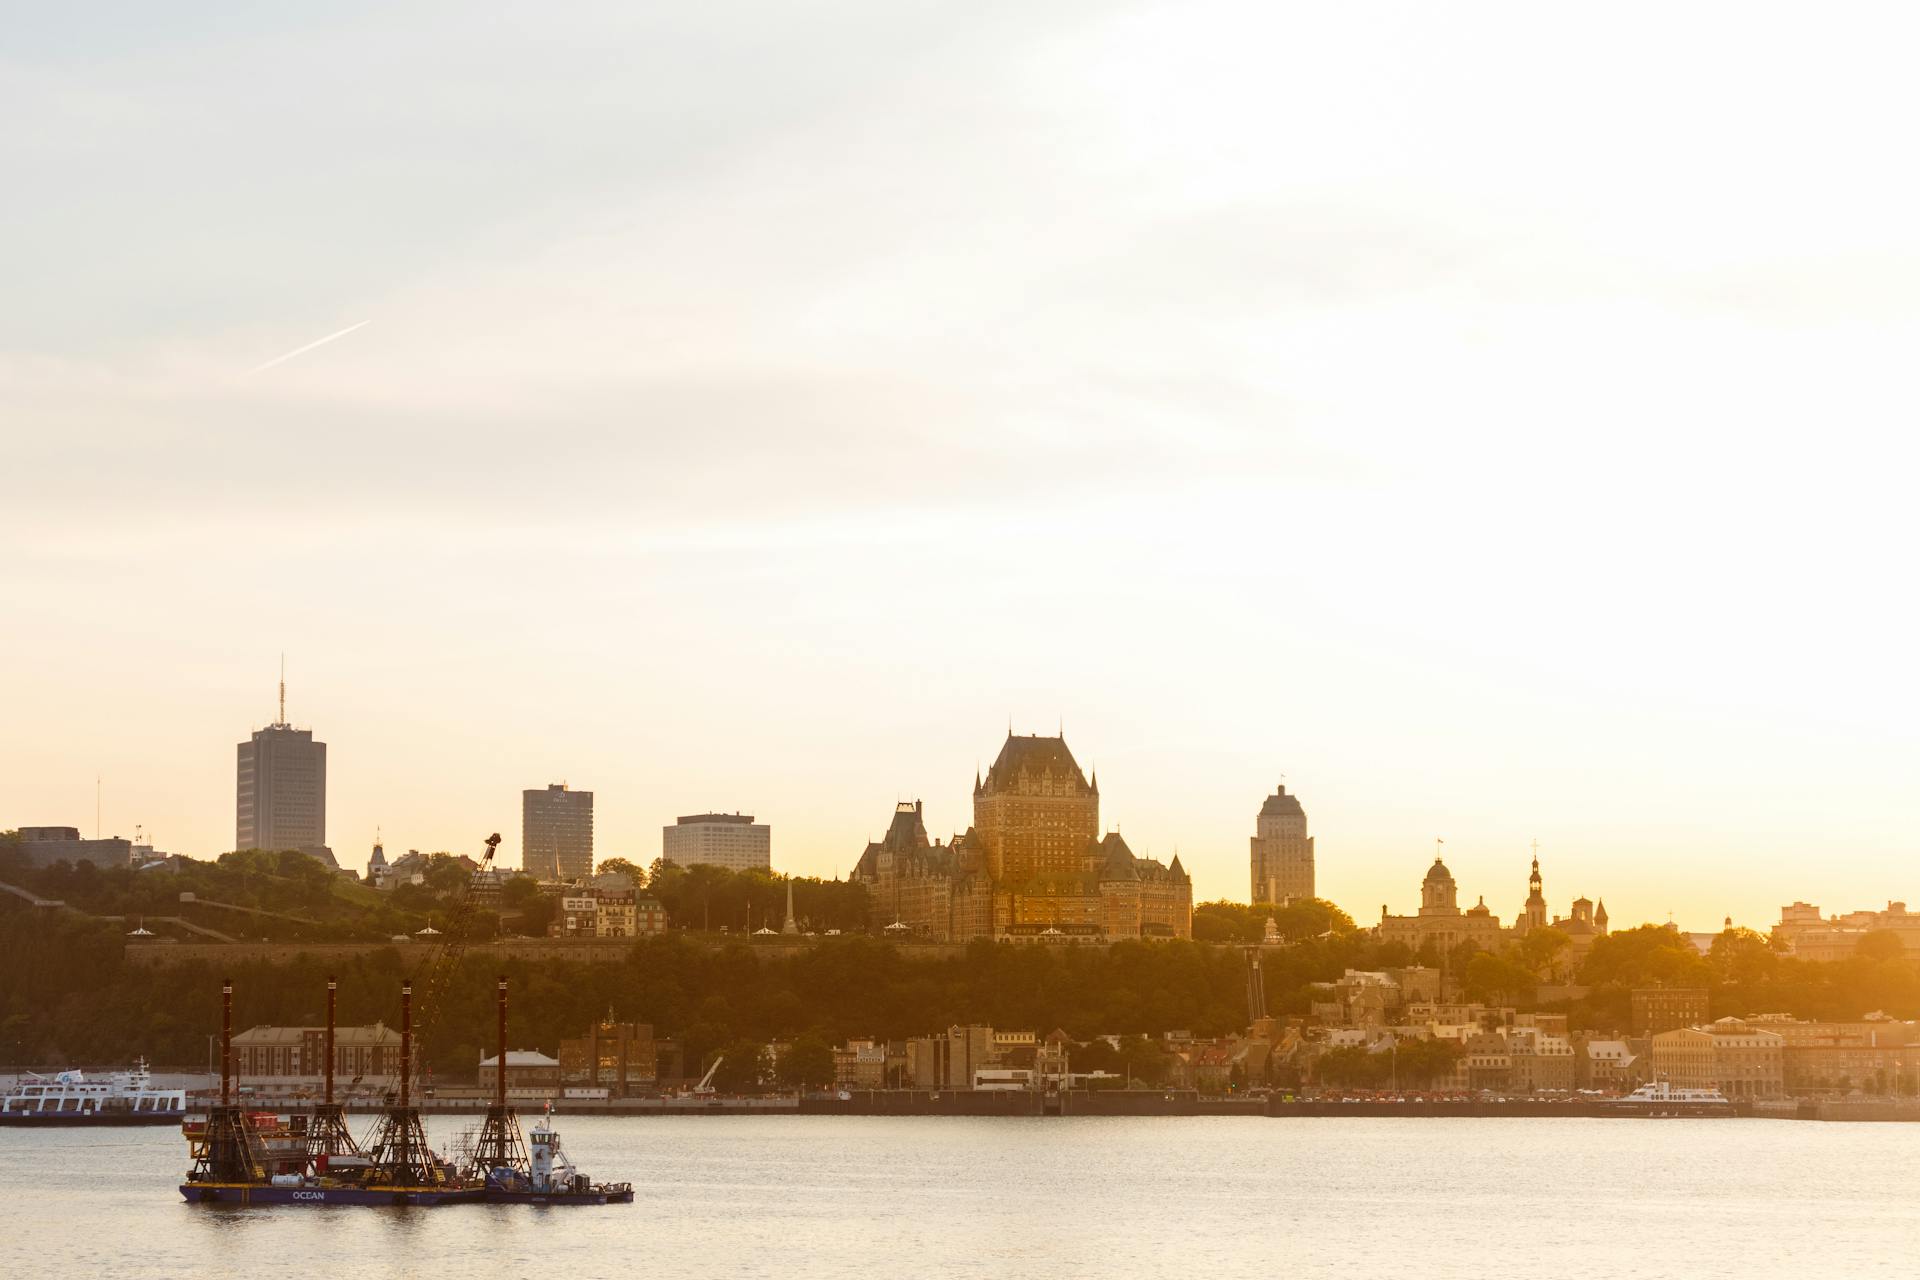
(1498, 419)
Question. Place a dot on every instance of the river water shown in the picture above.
(795, 1197)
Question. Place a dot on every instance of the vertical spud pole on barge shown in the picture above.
(227, 1152)
(327, 1133)
(226, 1042)
(500, 1144)
(332, 986)
(399, 1151)
(406, 1044)
(500, 1058)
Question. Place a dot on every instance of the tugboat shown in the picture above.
(240, 1158)
(70, 1098)
(497, 1157)
(551, 1177)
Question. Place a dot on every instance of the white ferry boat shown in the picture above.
(125, 1097)
(1662, 1098)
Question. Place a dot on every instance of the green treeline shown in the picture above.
(306, 901)
(68, 995)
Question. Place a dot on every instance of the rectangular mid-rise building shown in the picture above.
(731, 840)
(556, 833)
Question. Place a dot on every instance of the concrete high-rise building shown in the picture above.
(282, 789)
(556, 833)
(1282, 851)
(731, 840)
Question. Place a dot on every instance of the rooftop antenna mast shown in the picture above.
(283, 690)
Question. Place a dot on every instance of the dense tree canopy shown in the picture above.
(304, 900)
(1296, 921)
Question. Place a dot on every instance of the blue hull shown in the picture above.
(228, 1193)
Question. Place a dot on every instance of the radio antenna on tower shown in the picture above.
(283, 689)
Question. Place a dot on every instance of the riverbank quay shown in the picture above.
(1134, 1103)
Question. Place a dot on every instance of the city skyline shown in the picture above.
(1215, 871)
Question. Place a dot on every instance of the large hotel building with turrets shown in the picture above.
(1033, 864)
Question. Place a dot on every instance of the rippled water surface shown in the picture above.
(798, 1197)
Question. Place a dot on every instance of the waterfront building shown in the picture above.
(1742, 1061)
(1807, 936)
(526, 1069)
(556, 833)
(623, 1057)
(860, 1064)
(1033, 865)
(731, 840)
(949, 1060)
(1541, 1061)
(44, 846)
(1657, 1009)
(294, 1055)
(281, 790)
(1606, 1064)
(1875, 1054)
(1282, 851)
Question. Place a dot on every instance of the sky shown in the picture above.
(1496, 420)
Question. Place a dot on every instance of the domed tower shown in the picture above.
(1282, 861)
(1439, 896)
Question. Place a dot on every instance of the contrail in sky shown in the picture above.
(298, 351)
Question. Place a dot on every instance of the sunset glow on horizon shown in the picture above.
(1497, 444)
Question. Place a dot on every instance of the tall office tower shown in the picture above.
(556, 833)
(1282, 851)
(731, 840)
(282, 789)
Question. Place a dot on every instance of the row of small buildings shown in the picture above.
(1671, 1038)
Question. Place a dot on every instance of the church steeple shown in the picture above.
(1534, 914)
